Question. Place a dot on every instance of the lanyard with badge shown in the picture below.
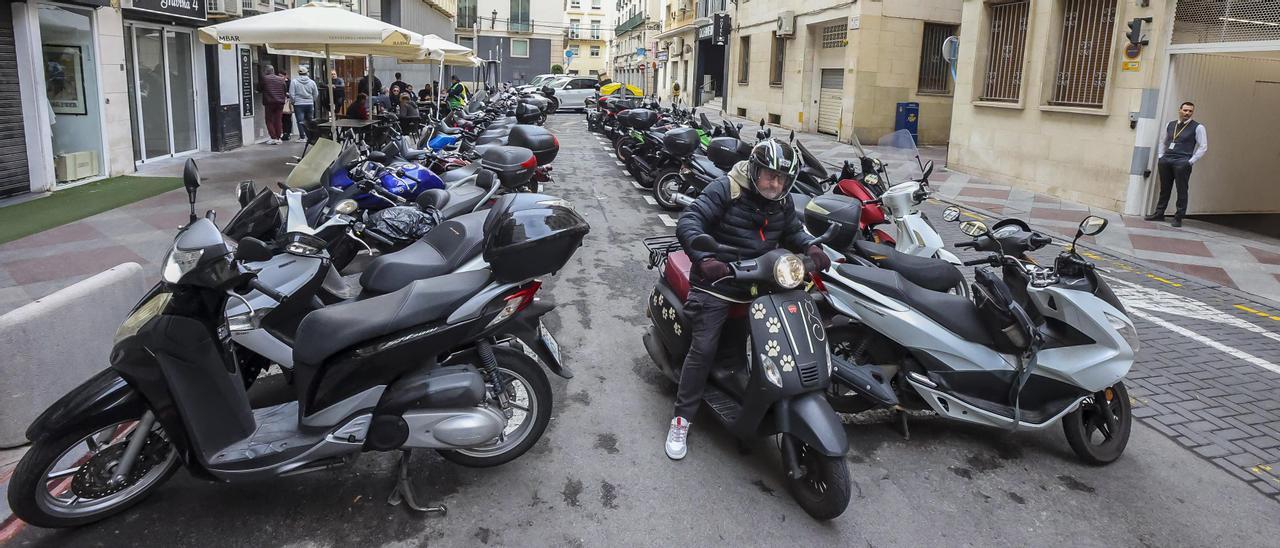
(1177, 132)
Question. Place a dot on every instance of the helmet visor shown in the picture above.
(771, 183)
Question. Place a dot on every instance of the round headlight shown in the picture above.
(788, 271)
(346, 207)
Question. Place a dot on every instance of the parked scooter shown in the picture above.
(778, 386)
(422, 367)
(1040, 346)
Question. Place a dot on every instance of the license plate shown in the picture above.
(549, 341)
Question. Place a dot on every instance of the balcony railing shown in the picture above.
(631, 23)
(519, 26)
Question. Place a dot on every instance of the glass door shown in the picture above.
(162, 91)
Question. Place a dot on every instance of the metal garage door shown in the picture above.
(829, 98)
(14, 178)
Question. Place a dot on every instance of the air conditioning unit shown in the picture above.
(787, 24)
(225, 7)
(73, 166)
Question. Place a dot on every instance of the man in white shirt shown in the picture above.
(1183, 144)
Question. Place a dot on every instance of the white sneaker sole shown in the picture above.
(678, 456)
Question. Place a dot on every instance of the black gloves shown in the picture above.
(819, 257)
(712, 269)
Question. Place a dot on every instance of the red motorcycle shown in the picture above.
(864, 182)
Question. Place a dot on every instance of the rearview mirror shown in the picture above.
(253, 250)
(704, 243)
(1092, 225)
(191, 180)
(951, 214)
(761, 123)
(973, 229)
(792, 138)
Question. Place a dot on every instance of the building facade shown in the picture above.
(636, 27)
(524, 37)
(586, 36)
(841, 68)
(675, 55)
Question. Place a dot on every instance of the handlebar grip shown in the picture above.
(276, 295)
(965, 245)
(977, 262)
(1040, 240)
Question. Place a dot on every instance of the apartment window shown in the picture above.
(1084, 53)
(595, 4)
(833, 36)
(519, 47)
(468, 41)
(1006, 41)
(575, 4)
(935, 76)
(519, 21)
(777, 56)
(595, 29)
(595, 51)
(466, 14)
(574, 28)
(744, 58)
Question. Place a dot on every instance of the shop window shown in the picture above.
(833, 36)
(519, 47)
(1006, 40)
(935, 75)
(71, 86)
(1084, 53)
(777, 57)
(744, 58)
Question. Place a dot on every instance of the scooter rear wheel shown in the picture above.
(666, 185)
(824, 489)
(531, 411)
(1094, 439)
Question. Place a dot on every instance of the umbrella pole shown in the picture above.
(333, 113)
(440, 80)
(368, 107)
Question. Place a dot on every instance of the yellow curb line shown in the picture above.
(1258, 312)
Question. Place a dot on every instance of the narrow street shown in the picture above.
(1198, 470)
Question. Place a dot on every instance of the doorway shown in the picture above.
(162, 98)
(830, 96)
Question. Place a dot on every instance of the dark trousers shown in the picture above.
(286, 124)
(1173, 171)
(707, 313)
(274, 113)
(303, 113)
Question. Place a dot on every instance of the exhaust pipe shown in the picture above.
(682, 200)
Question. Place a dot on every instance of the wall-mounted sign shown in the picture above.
(720, 29)
(640, 52)
(662, 56)
(855, 22)
(186, 9)
(246, 83)
(1131, 66)
(1132, 51)
(705, 32)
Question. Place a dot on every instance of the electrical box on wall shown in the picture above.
(787, 23)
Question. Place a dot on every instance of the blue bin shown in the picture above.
(908, 118)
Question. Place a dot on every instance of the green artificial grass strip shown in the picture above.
(71, 205)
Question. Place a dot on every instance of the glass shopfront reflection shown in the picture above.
(70, 64)
(161, 90)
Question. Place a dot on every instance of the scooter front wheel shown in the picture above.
(666, 185)
(824, 489)
(70, 480)
(1098, 430)
(528, 395)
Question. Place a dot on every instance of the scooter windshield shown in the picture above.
(900, 156)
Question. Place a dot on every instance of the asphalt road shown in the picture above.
(599, 476)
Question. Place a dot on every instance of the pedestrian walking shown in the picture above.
(275, 93)
(303, 93)
(1183, 144)
(339, 90)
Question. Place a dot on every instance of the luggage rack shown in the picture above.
(659, 247)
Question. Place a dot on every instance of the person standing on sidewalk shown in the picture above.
(303, 91)
(274, 95)
(1183, 144)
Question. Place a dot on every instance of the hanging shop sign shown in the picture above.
(186, 9)
(720, 29)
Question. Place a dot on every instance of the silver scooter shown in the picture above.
(1040, 346)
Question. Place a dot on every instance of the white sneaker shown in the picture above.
(272, 142)
(302, 139)
(676, 446)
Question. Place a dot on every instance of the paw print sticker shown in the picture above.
(757, 311)
(788, 363)
(677, 328)
(657, 299)
(773, 324)
(771, 348)
(669, 313)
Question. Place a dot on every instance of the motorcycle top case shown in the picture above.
(514, 165)
(822, 210)
(542, 142)
(681, 142)
(524, 242)
(725, 152)
(638, 118)
(527, 113)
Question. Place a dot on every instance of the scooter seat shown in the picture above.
(957, 314)
(492, 139)
(455, 175)
(328, 330)
(926, 272)
(706, 166)
(462, 199)
(445, 248)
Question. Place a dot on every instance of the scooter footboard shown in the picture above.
(810, 419)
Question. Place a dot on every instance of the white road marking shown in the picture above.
(620, 164)
(666, 219)
(637, 185)
(650, 200)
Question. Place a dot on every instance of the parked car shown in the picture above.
(574, 92)
(538, 81)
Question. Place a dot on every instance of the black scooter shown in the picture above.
(778, 388)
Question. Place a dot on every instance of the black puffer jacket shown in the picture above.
(737, 217)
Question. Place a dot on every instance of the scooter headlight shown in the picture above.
(788, 271)
(179, 262)
(771, 370)
(1127, 330)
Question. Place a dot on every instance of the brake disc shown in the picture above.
(93, 479)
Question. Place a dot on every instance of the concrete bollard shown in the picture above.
(55, 343)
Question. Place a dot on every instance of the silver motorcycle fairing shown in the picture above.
(951, 407)
(286, 274)
(453, 428)
(1092, 367)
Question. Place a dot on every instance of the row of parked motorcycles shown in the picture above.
(894, 324)
(397, 290)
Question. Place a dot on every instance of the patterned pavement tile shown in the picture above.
(1170, 245)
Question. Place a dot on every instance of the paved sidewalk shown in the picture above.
(141, 232)
(1215, 254)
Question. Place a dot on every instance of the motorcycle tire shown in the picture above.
(622, 149)
(824, 491)
(31, 476)
(665, 184)
(514, 364)
(553, 106)
(1081, 425)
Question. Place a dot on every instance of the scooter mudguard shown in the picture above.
(809, 418)
(867, 380)
(526, 325)
(103, 398)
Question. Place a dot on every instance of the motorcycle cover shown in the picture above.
(403, 223)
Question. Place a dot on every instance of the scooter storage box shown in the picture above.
(724, 152)
(524, 242)
(681, 142)
(822, 210)
(638, 118)
(514, 165)
(527, 113)
(543, 143)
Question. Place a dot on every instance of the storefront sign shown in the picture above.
(246, 83)
(662, 55)
(705, 32)
(720, 26)
(186, 9)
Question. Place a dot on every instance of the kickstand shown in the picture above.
(902, 423)
(403, 491)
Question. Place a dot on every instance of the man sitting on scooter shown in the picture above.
(749, 210)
